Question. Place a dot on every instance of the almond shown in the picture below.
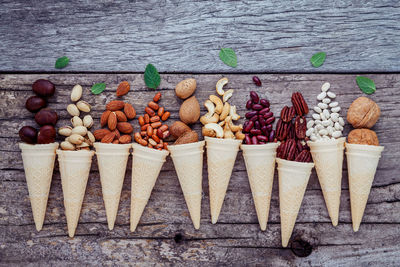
(108, 138)
(125, 139)
(123, 88)
(129, 111)
(124, 127)
(112, 121)
(120, 116)
(100, 133)
(115, 105)
(115, 141)
(117, 134)
(104, 118)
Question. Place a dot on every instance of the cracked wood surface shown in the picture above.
(165, 234)
(186, 35)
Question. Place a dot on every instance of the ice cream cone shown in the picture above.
(260, 165)
(188, 162)
(293, 180)
(328, 159)
(221, 156)
(146, 166)
(38, 163)
(112, 159)
(74, 170)
(362, 161)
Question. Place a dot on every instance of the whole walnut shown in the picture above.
(363, 113)
(363, 137)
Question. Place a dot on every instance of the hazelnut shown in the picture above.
(43, 88)
(35, 103)
(363, 137)
(46, 135)
(28, 134)
(46, 116)
(363, 113)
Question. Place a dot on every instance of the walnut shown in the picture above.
(363, 113)
(363, 137)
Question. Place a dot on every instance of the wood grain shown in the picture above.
(165, 235)
(185, 36)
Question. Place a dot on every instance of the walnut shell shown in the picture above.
(363, 113)
(363, 137)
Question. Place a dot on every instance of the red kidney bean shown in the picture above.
(257, 107)
(254, 118)
(255, 131)
(269, 127)
(257, 125)
(245, 124)
(268, 115)
(264, 130)
(263, 111)
(271, 136)
(254, 97)
(261, 120)
(264, 102)
(256, 81)
(250, 114)
(249, 104)
(262, 138)
(249, 126)
(270, 120)
(254, 140)
(247, 139)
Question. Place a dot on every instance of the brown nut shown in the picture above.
(35, 103)
(186, 138)
(190, 110)
(363, 113)
(178, 128)
(43, 88)
(363, 137)
(46, 116)
(46, 135)
(185, 88)
(28, 134)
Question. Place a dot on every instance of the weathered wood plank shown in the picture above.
(236, 239)
(268, 36)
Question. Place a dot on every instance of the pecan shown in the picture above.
(287, 113)
(299, 146)
(299, 104)
(300, 125)
(291, 149)
(281, 130)
(291, 131)
(304, 156)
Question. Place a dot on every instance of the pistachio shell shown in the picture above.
(76, 93)
(83, 106)
(81, 130)
(76, 139)
(76, 121)
(73, 110)
(67, 146)
(91, 137)
(65, 131)
(88, 121)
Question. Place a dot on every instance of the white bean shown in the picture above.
(326, 123)
(327, 114)
(310, 131)
(317, 109)
(335, 109)
(335, 116)
(337, 134)
(319, 127)
(331, 94)
(310, 124)
(333, 104)
(326, 100)
(313, 137)
(322, 105)
(323, 132)
(322, 116)
(331, 122)
(325, 87)
(341, 121)
(316, 117)
(317, 122)
(330, 130)
(338, 126)
(321, 96)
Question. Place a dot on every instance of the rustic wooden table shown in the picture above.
(114, 41)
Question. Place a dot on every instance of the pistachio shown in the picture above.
(83, 106)
(65, 131)
(91, 137)
(84, 144)
(88, 121)
(73, 110)
(81, 130)
(76, 121)
(67, 146)
(76, 93)
(76, 139)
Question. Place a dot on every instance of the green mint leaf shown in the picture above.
(151, 77)
(318, 59)
(366, 84)
(228, 56)
(98, 88)
(62, 62)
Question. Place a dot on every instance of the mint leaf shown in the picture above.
(366, 84)
(151, 77)
(318, 59)
(228, 56)
(62, 62)
(98, 88)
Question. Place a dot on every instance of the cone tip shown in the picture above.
(71, 233)
(214, 220)
(110, 227)
(335, 223)
(263, 227)
(285, 243)
(356, 227)
(197, 226)
(133, 227)
(38, 227)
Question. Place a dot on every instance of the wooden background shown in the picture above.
(165, 233)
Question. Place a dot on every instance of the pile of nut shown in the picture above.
(291, 131)
(115, 120)
(218, 121)
(45, 117)
(77, 137)
(152, 130)
(327, 123)
(258, 126)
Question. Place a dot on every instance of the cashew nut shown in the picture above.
(228, 94)
(210, 108)
(228, 134)
(220, 84)
(218, 103)
(221, 123)
(233, 113)
(205, 119)
(239, 135)
(208, 132)
(225, 111)
(218, 129)
(233, 127)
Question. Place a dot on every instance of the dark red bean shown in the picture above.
(254, 118)
(264, 102)
(257, 107)
(255, 131)
(250, 114)
(257, 125)
(245, 124)
(254, 140)
(269, 127)
(249, 126)
(247, 139)
(261, 120)
(256, 81)
(268, 115)
(270, 120)
(262, 138)
(249, 104)
(263, 111)
(271, 136)
(254, 97)
(264, 130)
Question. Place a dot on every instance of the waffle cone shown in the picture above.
(221, 156)
(188, 162)
(38, 163)
(260, 166)
(293, 180)
(328, 160)
(362, 161)
(112, 160)
(74, 170)
(146, 166)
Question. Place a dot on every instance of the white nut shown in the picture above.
(338, 126)
(225, 111)
(341, 121)
(313, 137)
(323, 132)
(331, 94)
(218, 103)
(205, 119)
(333, 104)
(88, 121)
(76, 121)
(81, 130)
(326, 123)
(232, 126)
(330, 130)
(337, 134)
(73, 110)
(321, 96)
(220, 84)
(322, 116)
(335, 109)
(310, 131)
(218, 129)
(67, 146)
(76, 93)
(210, 108)
(326, 100)
(83, 106)
(325, 87)
(316, 117)
(228, 134)
(233, 114)
(317, 109)
(319, 127)
(317, 122)
(310, 124)
(76, 139)
(91, 137)
(65, 131)
(326, 113)
(322, 105)
(84, 144)
(228, 94)
(335, 117)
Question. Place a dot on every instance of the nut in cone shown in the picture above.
(260, 166)
(38, 163)
(221, 156)
(328, 160)
(362, 161)
(112, 160)
(293, 180)
(146, 166)
(188, 162)
(74, 170)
